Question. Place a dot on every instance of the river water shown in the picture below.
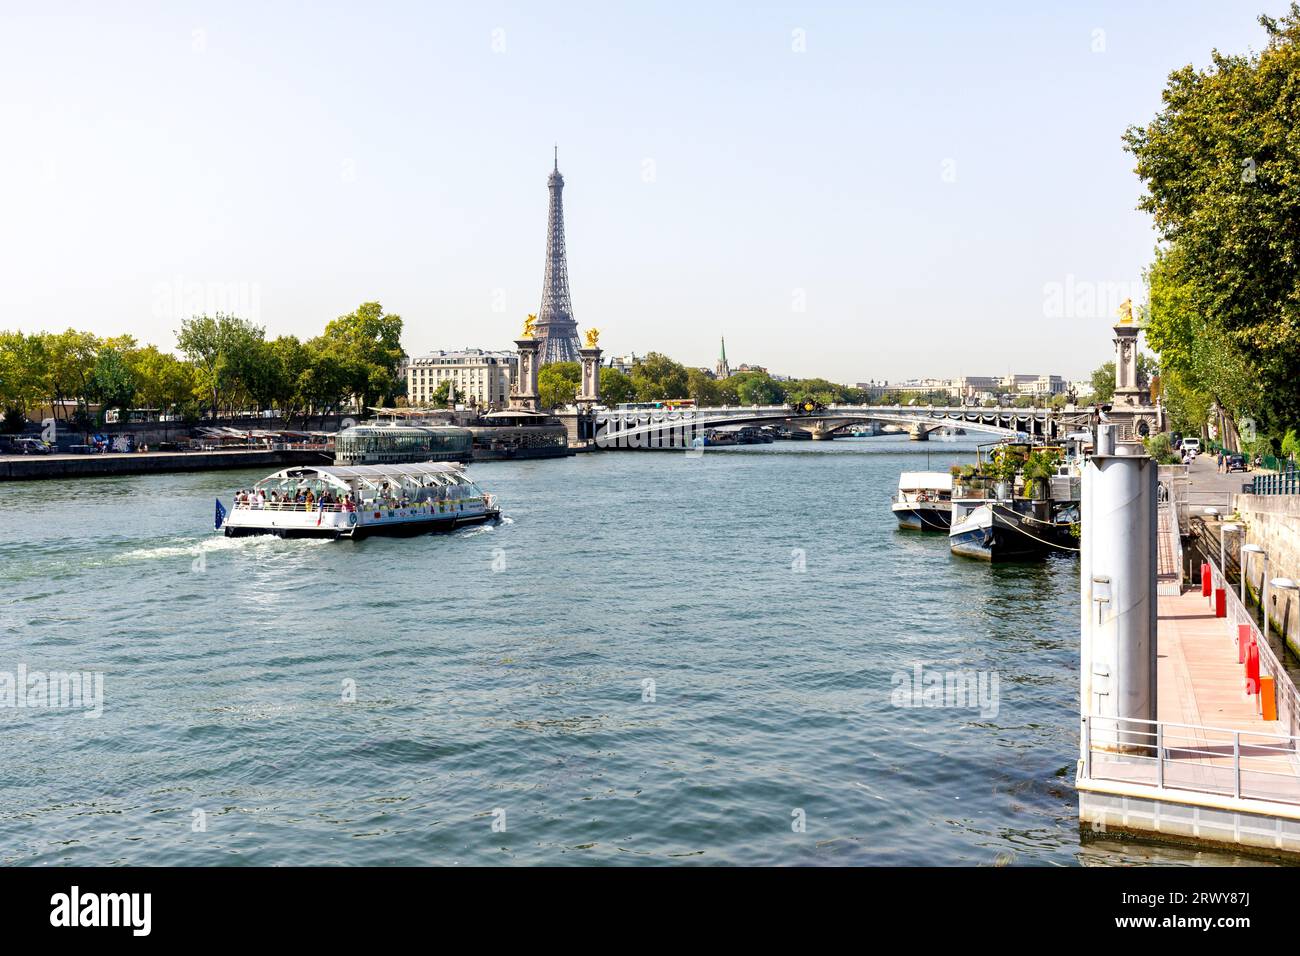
(653, 659)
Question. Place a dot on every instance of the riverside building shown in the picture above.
(478, 377)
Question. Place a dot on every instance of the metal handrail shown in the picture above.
(1288, 698)
(1175, 537)
(1131, 744)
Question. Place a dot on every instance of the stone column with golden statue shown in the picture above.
(524, 396)
(1131, 408)
(589, 389)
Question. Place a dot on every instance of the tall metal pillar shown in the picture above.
(1117, 584)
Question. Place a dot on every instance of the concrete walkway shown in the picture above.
(1200, 682)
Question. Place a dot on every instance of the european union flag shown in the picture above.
(221, 516)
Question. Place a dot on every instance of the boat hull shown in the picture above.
(997, 533)
(923, 516)
(392, 529)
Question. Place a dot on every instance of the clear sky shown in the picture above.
(860, 191)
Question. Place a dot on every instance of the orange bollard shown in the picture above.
(1243, 642)
(1205, 579)
(1220, 603)
(1268, 698)
(1252, 670)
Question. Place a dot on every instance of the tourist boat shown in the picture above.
(924, 500)
(358, 501)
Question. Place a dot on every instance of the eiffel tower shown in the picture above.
(556, 329)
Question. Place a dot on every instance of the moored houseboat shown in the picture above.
(356, 502)
(924, 500)
(1012, 529)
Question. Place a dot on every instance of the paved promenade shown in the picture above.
(1201, 683)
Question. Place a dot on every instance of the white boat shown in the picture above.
(924, 500)
(342, 501)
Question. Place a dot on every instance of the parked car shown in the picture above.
(1234, 462)
(30, 446)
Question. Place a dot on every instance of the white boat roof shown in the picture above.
(343, 472)
(930, 480)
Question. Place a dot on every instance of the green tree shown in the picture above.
(113, 382)
(557, 383)
(323, 385)
(702, 387)
(757, 388)
(291, 359)
(658, 377)
(799, 391)
(616, 387)
(222, 348)
(163, 381)
(22, 374)
(367, 344)
(440, 397)
(69, 364)
(1160, 448)
(1222, 174)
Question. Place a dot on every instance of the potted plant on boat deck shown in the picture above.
(1038, 471)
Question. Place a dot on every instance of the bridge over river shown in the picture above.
(677, 428)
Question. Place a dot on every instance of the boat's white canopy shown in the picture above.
(413, 470)
(418, 473)
(925, 481)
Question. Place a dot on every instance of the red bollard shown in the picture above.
(1252, 670)
(1220, 603)
(1243, 642)
(1205, 579)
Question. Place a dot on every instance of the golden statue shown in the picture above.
(1125, 312)
(528, 327)
(593, 335)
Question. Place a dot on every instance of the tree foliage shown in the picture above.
(616, 387)
(557, 383)
(1221, 165)
(228, 367)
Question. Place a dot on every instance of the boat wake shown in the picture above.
(484, 528)
(212, 544)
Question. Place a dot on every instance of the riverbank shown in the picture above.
(37, 467)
